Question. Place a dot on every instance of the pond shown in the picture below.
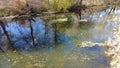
(60, 45)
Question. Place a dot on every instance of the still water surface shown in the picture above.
(66, 53)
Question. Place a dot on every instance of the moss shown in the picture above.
(58, 5)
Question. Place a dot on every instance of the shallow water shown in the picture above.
(66, 53)
(59, 57)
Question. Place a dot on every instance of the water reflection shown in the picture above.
(45, 34)
(65, 54)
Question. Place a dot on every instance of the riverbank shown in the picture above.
(17, 7)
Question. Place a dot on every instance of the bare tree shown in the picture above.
(6, 33)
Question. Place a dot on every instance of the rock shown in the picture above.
(22, 3)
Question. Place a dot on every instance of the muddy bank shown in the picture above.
(14, 7)
(41, 3)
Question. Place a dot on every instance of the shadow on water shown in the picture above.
(59, 41)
